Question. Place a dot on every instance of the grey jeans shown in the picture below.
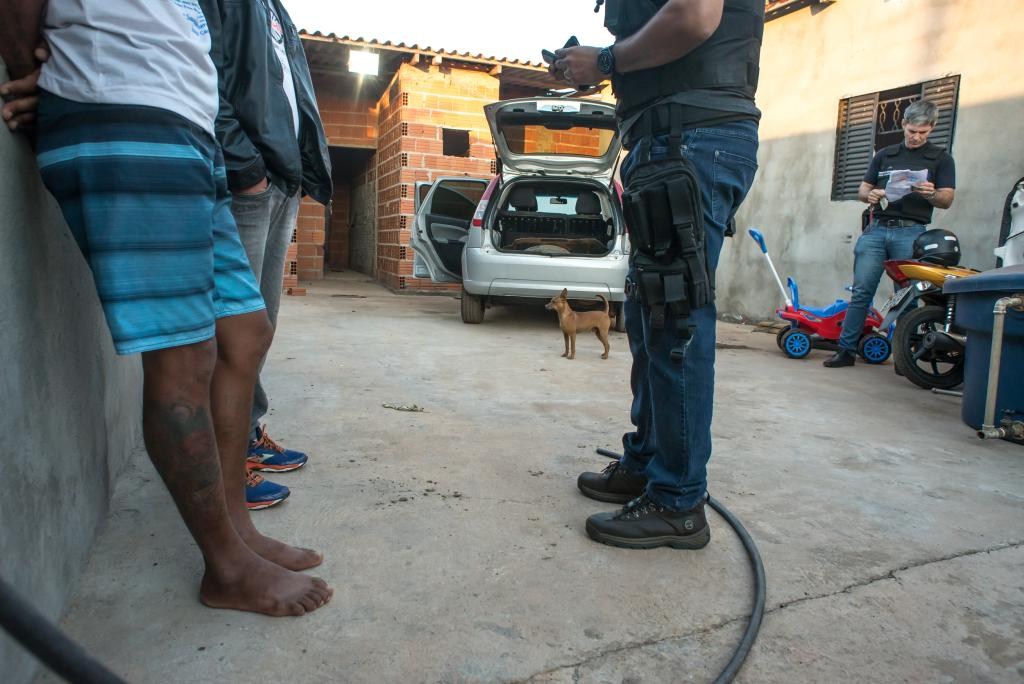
(266, 221)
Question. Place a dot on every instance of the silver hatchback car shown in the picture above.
(551, 218)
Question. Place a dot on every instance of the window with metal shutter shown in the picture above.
(944, 93)
(855, 138)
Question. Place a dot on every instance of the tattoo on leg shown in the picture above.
(181, 443)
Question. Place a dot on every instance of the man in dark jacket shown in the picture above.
(684, 73)
(275, 150)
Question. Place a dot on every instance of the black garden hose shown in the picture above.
(756, 615)
(47, 642)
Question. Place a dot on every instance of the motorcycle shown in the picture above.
(1010, 251)
(928, 348)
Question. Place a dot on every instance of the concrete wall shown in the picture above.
(70, 411)
(811, 60)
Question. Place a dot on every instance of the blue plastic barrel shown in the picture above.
(976, 297)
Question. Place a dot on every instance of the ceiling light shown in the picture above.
(362, 62)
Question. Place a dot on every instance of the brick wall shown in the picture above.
(347, 122)
(421, 101)
(308, 254)
(338, 233)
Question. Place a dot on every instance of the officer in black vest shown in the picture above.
(685, 73)
(897, 216)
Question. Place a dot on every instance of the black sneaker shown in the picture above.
(643, 524)
(840, 358)
(614, 484)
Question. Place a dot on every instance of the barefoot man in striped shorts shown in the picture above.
(126, 145)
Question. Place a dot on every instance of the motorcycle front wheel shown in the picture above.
(925, 368)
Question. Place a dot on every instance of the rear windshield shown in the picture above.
(571, 137)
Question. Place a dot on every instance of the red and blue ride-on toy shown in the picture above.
(819, 328)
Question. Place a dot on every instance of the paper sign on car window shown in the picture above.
(558, 107)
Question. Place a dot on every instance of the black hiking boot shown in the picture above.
(840, 358)
(643, 524)
(614, 484)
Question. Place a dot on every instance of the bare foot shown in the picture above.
(260, 586)
(289, 557)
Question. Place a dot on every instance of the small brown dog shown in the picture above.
(572, 322)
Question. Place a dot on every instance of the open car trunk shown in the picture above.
(554, 217)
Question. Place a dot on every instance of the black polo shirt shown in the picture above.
(913, 207)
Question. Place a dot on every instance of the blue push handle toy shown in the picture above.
(758, 238)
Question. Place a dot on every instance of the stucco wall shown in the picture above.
(70, 411)
(811, 60)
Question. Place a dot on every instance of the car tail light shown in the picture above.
(478, 215)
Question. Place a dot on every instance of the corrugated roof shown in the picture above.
(420, 49)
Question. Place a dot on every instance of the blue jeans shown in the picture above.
(266, 221)
(672, 402)
(875, 245)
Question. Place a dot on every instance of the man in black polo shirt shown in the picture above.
(896, 220)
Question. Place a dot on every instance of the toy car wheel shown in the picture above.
(874, 348)
(778, 337)
(796, 343)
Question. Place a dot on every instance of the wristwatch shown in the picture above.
(606, 61)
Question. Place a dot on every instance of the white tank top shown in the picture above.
(135, 52)
(287, 83)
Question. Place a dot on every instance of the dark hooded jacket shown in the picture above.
(254, 125)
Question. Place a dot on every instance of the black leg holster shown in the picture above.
(664, 214)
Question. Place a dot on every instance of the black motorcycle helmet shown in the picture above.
(937, 246)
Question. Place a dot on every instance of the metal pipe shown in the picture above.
(946, 392)
(988, 429)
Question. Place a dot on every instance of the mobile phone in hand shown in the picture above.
(549, 56)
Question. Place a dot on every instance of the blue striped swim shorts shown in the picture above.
(145, 195)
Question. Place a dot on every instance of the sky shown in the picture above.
(515, 29)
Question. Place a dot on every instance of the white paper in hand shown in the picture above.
(901, 183)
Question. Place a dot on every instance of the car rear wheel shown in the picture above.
(620, 317)
(472, 308)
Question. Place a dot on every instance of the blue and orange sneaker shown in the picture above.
(268, 456)
(261, 493)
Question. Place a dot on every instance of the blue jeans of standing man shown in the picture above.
(672, 402)
(875, 245)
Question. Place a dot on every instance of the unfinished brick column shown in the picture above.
(309, 237)
(424, 99)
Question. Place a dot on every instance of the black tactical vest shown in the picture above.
(728, 60)
(912, 207)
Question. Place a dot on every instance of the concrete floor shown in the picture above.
(893, 538)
